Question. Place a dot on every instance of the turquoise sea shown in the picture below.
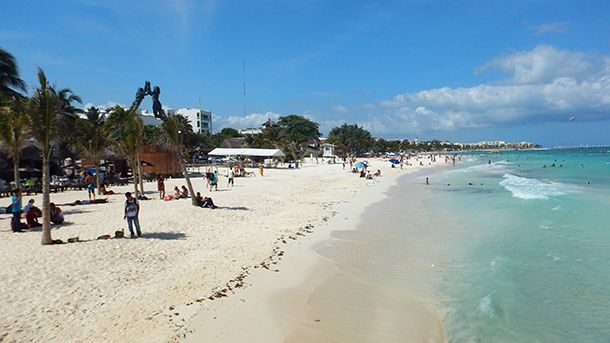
(534, 262)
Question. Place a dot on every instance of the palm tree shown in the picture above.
(92, 137)
(13, 131)
(126, 131)
(46, 110)
(173, 134)
(9, 75)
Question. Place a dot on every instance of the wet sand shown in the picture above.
(343, 283)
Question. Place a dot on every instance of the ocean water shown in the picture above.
(533, 261)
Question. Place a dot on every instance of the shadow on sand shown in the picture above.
(164, 235)
(238, 208)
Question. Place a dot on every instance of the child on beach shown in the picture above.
(161, 186)
(185, 192)
(132, 210)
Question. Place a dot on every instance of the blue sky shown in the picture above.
(459, 70)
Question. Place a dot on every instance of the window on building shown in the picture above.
(197, 124)
(197, 115)
(205, 125)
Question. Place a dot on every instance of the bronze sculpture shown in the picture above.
(141, 93)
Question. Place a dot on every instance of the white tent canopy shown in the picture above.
(247, 152)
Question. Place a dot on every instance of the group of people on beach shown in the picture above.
(30, 212)
(183, 192)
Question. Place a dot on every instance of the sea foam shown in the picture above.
(528, 189)
(486, 306)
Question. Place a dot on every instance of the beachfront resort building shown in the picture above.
(201, 120)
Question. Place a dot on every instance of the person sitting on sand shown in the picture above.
(32, 220)
(177, 194)
(369, 176)
(57, 216)
(29, 207)
(184, 193)
(105, 191)
(205, 202)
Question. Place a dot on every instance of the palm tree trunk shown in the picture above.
(135, 175)
(46, 201)
(16, 170)
(185, 172)
(140, 172)
(96, 164)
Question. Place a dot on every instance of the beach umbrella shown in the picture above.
(71, 166)
(360, 165)
(394, 161)
(29, 170)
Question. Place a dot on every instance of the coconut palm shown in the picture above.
(92, 137)
(173, 133)
(46, 110)
(126, 131)
(9, 76)
(13, 130)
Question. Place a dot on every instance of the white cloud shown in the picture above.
(247, 121)
(340, 109)
(546, 84)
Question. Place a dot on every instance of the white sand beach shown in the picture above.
(190, 262)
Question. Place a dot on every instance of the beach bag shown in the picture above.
(119, 233)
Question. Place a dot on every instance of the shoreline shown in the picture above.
(277, 305)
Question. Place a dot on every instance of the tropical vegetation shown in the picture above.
(46, 110)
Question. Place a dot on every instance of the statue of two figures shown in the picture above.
(141, 93)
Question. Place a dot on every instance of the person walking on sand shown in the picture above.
(16, 210)
(161, 186)
(90, 182)
(132, 210)
(231, 176)
(261, 170)
(213, 177)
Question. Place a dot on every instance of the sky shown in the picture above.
(465, 71)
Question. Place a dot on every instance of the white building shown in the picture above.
(200, 120)
(250, 131)
(328, 150)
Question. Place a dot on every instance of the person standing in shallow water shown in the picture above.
(132, 210)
